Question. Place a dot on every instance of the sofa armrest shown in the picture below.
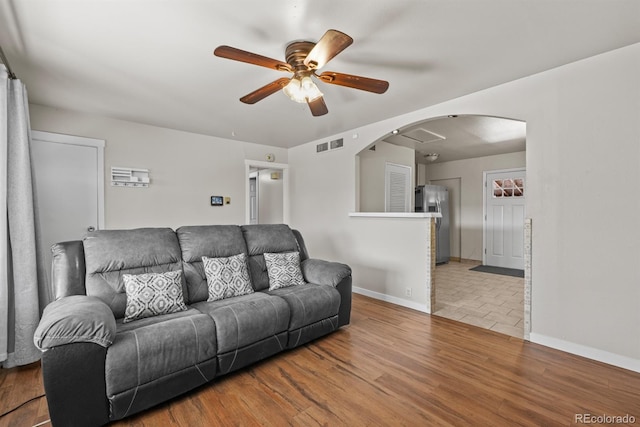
(324, 272)
(75, 319)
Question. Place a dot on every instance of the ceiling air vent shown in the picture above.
(423, 136)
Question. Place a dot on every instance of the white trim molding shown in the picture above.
(393, 300)
(586, 351)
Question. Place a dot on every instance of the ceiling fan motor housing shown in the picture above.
(295, 55)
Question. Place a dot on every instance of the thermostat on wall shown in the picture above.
(217, 201)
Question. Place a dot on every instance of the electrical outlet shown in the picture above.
(407, 292)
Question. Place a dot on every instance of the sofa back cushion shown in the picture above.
(272, 238)
(111, 253)
(212, 241)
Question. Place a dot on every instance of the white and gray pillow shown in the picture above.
(227, 276)
(283, 269)
(153, 294)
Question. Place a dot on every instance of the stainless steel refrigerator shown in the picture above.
(435, 198)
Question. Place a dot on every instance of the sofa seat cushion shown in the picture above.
(152, 348)
(309, 303)
(245, 320)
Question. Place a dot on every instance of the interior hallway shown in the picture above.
(487, 300)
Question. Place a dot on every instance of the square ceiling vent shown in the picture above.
(423, 136)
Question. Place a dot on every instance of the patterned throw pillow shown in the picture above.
(152, 294)
(227, 277)
(283, 269)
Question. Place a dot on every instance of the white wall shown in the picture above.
(585, 274)
(372, 173)
(270, 192)
(470, 173)
(185, 168)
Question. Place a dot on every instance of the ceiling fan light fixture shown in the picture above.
(309, 89)
(302, 90)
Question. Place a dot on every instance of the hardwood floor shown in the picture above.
(391, 366)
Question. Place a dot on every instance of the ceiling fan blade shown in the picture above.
(264, 91)
(355, 82)
(330, 44)
(229, 52)
(318, 107)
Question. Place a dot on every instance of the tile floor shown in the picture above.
(487, 300)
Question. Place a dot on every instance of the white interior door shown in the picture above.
(68, 174)
(397, 188)
(504, 218)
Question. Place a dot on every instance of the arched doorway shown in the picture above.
(455, 151)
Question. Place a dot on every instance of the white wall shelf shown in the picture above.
(129, 177)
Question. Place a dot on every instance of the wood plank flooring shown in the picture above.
(391, 366)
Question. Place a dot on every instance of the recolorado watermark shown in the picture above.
(604, 419)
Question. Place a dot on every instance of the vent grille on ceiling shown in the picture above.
(423, 136)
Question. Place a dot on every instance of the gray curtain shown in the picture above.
(20, 305)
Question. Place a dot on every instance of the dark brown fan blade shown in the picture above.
(251, 58)
(318, 107)
(264, 91)
(355, 82)
(330, 44)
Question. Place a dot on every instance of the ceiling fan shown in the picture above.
(303, 59)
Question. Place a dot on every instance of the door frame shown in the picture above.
(248, 164)
(256, 176)
(98, 144)
(484, 205)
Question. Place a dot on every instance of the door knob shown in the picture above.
(91, 228)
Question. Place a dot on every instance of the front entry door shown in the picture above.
(504, 218)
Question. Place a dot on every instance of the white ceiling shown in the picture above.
(151, 61)
(461, 137)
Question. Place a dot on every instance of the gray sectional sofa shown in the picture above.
(98, 366)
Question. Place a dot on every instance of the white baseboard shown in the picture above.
(588, 352)
(393, 300)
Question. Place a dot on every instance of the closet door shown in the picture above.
(68, 173)
(397, 188)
